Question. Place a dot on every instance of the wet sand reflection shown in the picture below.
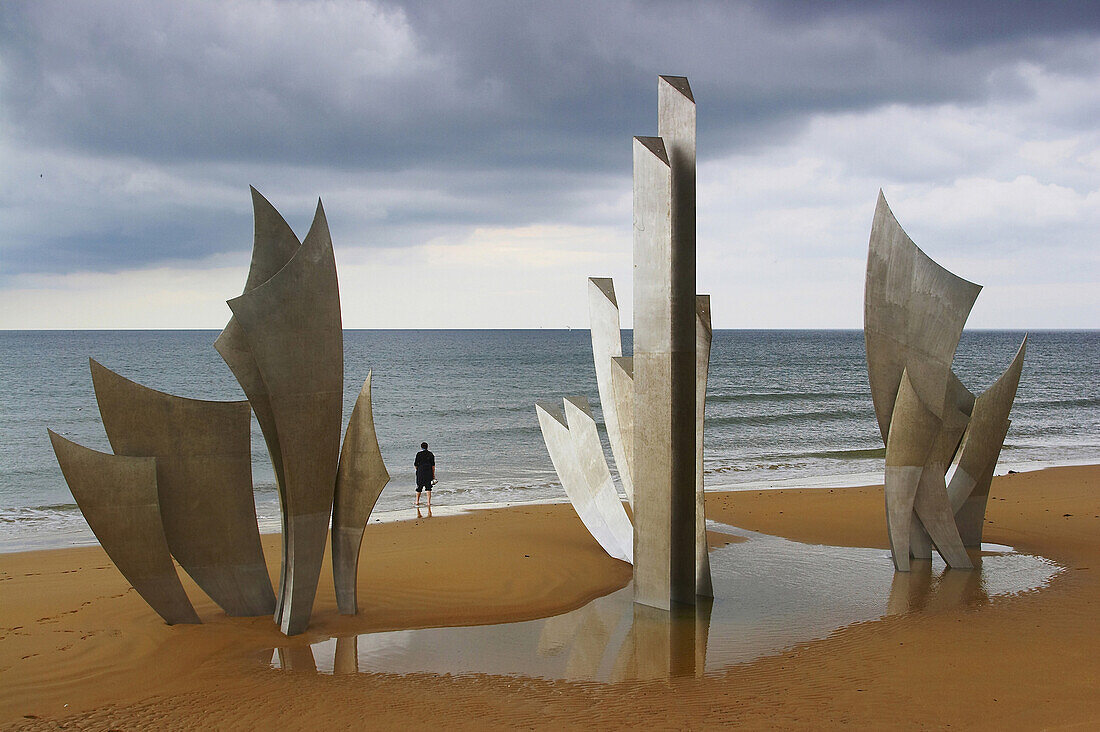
(771, 594)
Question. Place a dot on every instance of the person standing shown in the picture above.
(425, 472)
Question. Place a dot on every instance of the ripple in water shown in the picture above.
(770, 594)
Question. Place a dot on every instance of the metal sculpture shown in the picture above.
(273, 244)
(359, 481)
(622, 388)
(915, 483)
(654, 402)
(118, 497)
(593, 465)
(914, 312)
(603, 316)
(664, 353)
(284, 344)
(969, 487)
(591, 502)
(704, 587)
(292, 326)
(204, 482)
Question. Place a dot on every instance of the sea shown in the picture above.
(785, 408)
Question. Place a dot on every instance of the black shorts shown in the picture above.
(424, 487)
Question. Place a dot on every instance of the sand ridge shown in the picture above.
(72, 632)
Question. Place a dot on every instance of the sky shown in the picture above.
(474, 157)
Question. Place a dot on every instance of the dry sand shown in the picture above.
(79, 649)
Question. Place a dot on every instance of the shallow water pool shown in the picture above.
(770, 594)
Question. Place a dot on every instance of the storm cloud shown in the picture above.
(130, 130)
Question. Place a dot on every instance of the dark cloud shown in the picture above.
(480, 112)
(477, 84)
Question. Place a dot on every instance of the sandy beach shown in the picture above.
(79, 649)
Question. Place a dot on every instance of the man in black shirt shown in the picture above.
(425, 472)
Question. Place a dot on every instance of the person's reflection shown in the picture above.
(420, 513)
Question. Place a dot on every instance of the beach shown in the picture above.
(79, 648)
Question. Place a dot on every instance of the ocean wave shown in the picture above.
(754, 467)
(38, 514)
(523, 429)
(1080, 402)
(783, 396)
(871, 453)
(478, 411)
(789, 417)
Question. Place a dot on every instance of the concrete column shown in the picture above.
(676, 126)
(664, 379)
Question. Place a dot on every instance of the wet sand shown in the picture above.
(79, 649)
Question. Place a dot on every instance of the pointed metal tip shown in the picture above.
(258, 198)
(680, 84)
(552, 409)
(702, 306)
(655, 145)
(580, 402)
(626, 363)
(605, 285)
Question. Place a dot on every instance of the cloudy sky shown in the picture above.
(474, 158)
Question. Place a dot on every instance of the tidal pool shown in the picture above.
(770, 594)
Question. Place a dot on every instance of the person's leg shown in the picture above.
(428, 490)
(418, 489)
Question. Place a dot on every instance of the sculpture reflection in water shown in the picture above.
(771, 595)
(284, 344)
(922, 588)
(914, 312)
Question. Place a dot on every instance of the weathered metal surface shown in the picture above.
(914, 312)
(118, 496)
(359, 481)
(293, 328)
(204, 481)
(603, 318)
(969, 487)
(582, 495)
(589, 451)
(703, 336)
(273, 244)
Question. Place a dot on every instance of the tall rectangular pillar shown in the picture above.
(664, 386)
(676, 127)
